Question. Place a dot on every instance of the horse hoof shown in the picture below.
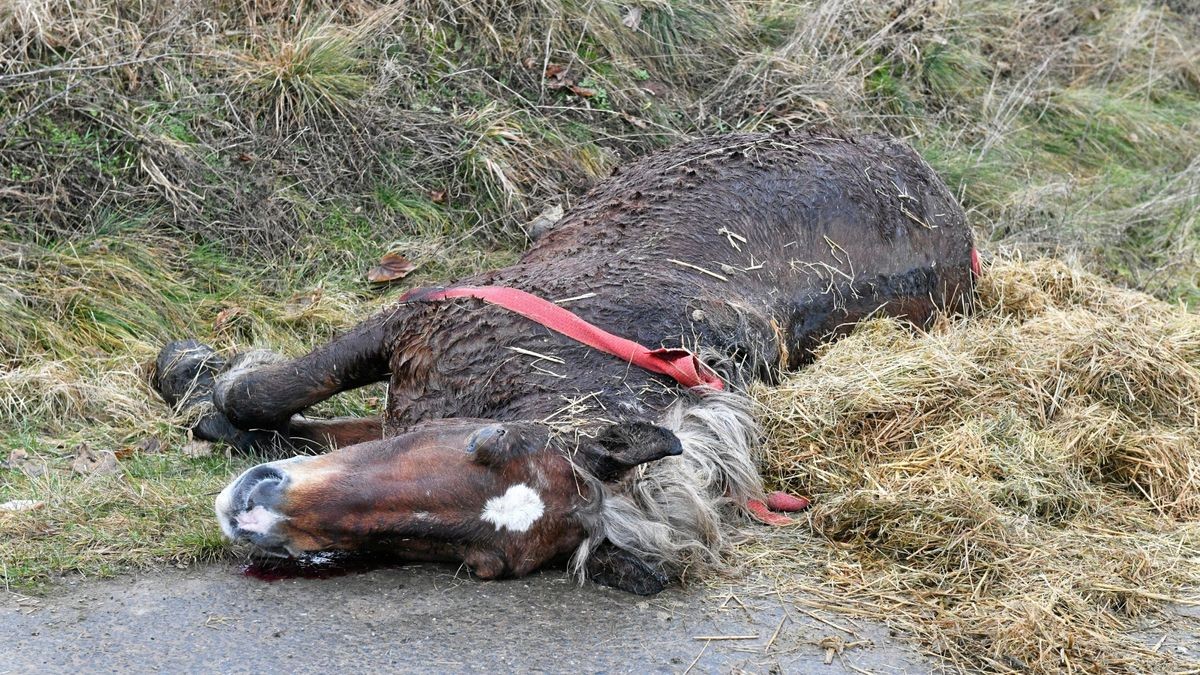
(184, 372)
(618, 568)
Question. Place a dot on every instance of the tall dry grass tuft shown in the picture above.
(311, 75)
(1016, 488)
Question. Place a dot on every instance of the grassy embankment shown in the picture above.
(166, 173)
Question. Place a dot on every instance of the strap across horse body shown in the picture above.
(679, 364)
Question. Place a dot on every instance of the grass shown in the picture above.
(82, 324)
(1065, 127)
(152, 513)
(303, 78)
(230, 170)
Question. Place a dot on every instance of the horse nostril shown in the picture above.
(264, 493)
(259, 486)
(248, 509)
(262, 472)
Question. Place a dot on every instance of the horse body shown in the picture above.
(506, 444)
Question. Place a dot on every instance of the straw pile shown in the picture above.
(1017, 489)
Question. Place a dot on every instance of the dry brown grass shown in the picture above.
(1015, 489)
(257, 123)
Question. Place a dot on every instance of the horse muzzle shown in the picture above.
(249, 509)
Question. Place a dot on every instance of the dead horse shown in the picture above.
(506, 445)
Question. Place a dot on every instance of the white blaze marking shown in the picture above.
(516, 510)
(257, 520)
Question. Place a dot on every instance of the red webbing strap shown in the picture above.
(679, 364)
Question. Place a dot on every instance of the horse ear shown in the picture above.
(495, 444)
(618, 568)
(620, 447)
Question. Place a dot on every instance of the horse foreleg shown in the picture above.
(259, 393)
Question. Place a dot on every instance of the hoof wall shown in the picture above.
(618, 568)
(184, 372)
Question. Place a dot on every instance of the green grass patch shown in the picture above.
(157, 510)
(83, 322)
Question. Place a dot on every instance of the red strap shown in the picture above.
(680, 364)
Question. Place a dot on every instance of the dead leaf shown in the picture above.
(21, 505)
(245, 157)
(93, 462)
(632, 18)
(302, 301)
(196, 449)
(557, 76)
(391, 267)
(149, 445)
(19, 460)
(582, 92)
(438, 196)
(226, 317)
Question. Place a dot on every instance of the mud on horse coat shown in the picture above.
(506, 445)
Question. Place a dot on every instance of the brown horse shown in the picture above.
(507, 445)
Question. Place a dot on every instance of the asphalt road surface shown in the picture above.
(426, 618)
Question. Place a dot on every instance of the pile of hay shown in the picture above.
(1019, 489)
